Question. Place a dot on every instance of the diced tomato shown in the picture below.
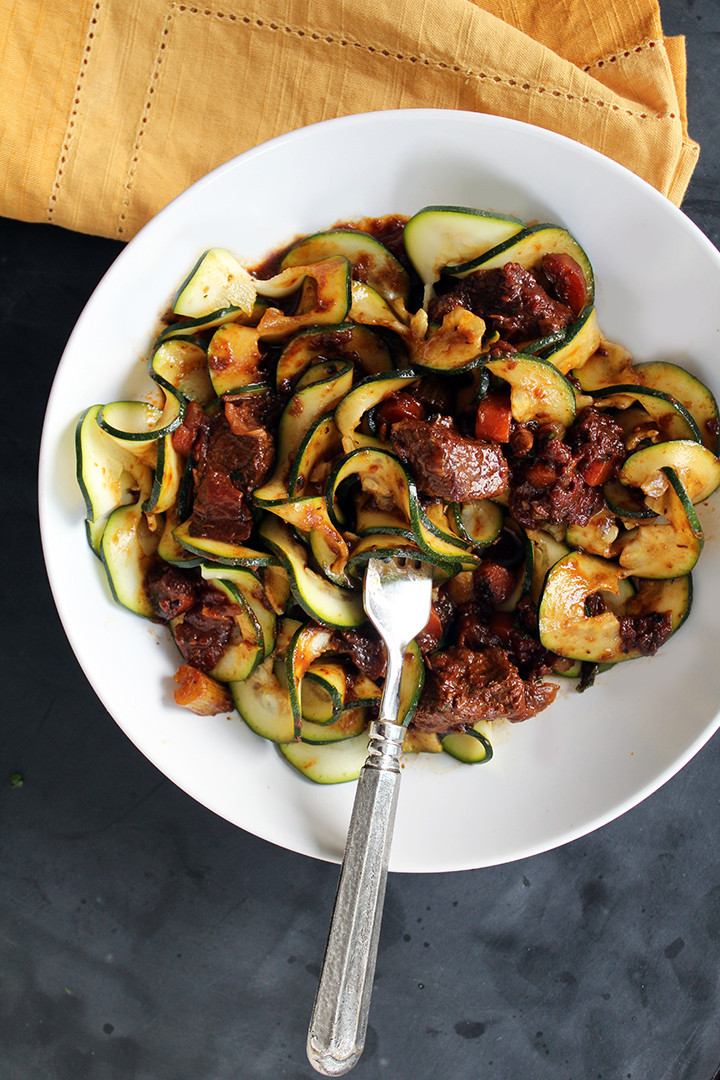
(399, 406)
(567, 280)
(429, 637)
(596, 473)
(541, 475)
(434, 625)
(493, 420)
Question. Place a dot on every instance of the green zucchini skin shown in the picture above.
(673, 419)
(479, 522)
(576, 344)
(127, 550)
(380, 268)
(348, 725)
(180, 366)
(671, 548)
(470, 746)
(438, 236)
(217, 281)
(310, 346)
(220, 552)
(264, 705)
(526, 247)
(696, 467)
(242, 657)
(538, 390)
(386, 471)
(318, 597)
(106, 470)
(566, 629)
(337, 763)
(324, 687)
(308, 405)
(686, 389)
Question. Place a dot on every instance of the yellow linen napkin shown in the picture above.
(110, 108)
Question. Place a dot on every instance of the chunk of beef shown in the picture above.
(464, 686)
(206, 629)
(546, 487)
(185, 436)
(598, 446)
(477, 627)
(171, 591)
(646, 633)
(250, 454)
(364, 648)
(435, 394)
(472, 628)
(510, 300)
(233, 454)
(221, 511)
(446, 464)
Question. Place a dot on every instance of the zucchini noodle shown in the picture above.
(435, 387)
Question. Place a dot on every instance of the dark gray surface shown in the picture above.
(142, 938)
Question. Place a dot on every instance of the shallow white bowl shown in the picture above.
(590, 757)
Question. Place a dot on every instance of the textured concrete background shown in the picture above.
(142, 938)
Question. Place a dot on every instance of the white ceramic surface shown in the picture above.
(590, 757)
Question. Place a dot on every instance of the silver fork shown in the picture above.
(397, 600)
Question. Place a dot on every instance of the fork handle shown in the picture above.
(339, 1019)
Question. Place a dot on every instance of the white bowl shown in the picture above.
(591, 756)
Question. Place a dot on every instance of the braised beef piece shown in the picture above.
(221, 510)
(446, 464)
(595, 605)
(546, 486)
(645, 632)
(364, 648)
(476, 629)
(538, 695)
(596, 439)
(171, 591)
(510, 300)
(207, 625)
(206, 629)
(247, 417)
(233, 454)
(558, 481)
(463, 686)
(472, 627)
(184, 436)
